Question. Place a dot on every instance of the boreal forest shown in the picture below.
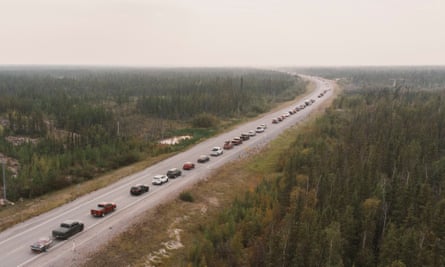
(61, 126)
(359, 186)
(364, 185)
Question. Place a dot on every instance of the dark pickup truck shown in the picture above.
(103, 208)
(67, 229)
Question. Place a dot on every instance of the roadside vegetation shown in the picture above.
(65, 132)
(173, 227)
(65, 126)
(361, 186)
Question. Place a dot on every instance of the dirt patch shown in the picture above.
(156, 257)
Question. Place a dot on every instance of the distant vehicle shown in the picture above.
(237, 141)
(173, 173)
(42, 245)
(139, 189)
(307, 102)
(68, 228)
(275, 121)
(252, 133)
(264, 126)
(103, 209)
(228, 145)
(245, 136)
(216, 151)
(259, 129)
(300, 107)
(159, 179)
(203, 159)
(188, 165)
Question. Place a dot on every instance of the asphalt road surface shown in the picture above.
(15, 242)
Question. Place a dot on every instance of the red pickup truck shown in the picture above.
(103, 208)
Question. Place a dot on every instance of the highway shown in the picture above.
(15, 242)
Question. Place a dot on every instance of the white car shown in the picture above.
(216, 151)
(264, 126)
(159, 179)
(252, 133)
(259, 129)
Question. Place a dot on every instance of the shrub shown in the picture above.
(204, 120)
(186, 196)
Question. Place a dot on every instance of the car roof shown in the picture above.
(69, 221)
(104, 203)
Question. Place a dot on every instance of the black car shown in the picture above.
(173, 173)
(67, 229)
(139, 189)
(245, 136)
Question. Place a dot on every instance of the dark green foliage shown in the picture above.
(424, 77)
(186, 196)
(204, 120)
(89, 121)
(363, 187)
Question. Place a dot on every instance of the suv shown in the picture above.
(245, 136)
(139, 189)
(188, 165)
(228, 145)
(173, 173)
(67, 229)
(159, 179)
(237, 141)
(216, 151)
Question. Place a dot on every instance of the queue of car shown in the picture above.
(300, 107)
(71, 227)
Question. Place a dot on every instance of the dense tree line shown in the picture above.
(363, 187)
(425, 77)
(89, 120)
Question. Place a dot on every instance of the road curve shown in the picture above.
(15, 242)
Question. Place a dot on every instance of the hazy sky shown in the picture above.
(222, 32)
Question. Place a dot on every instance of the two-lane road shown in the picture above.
(15, 241)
